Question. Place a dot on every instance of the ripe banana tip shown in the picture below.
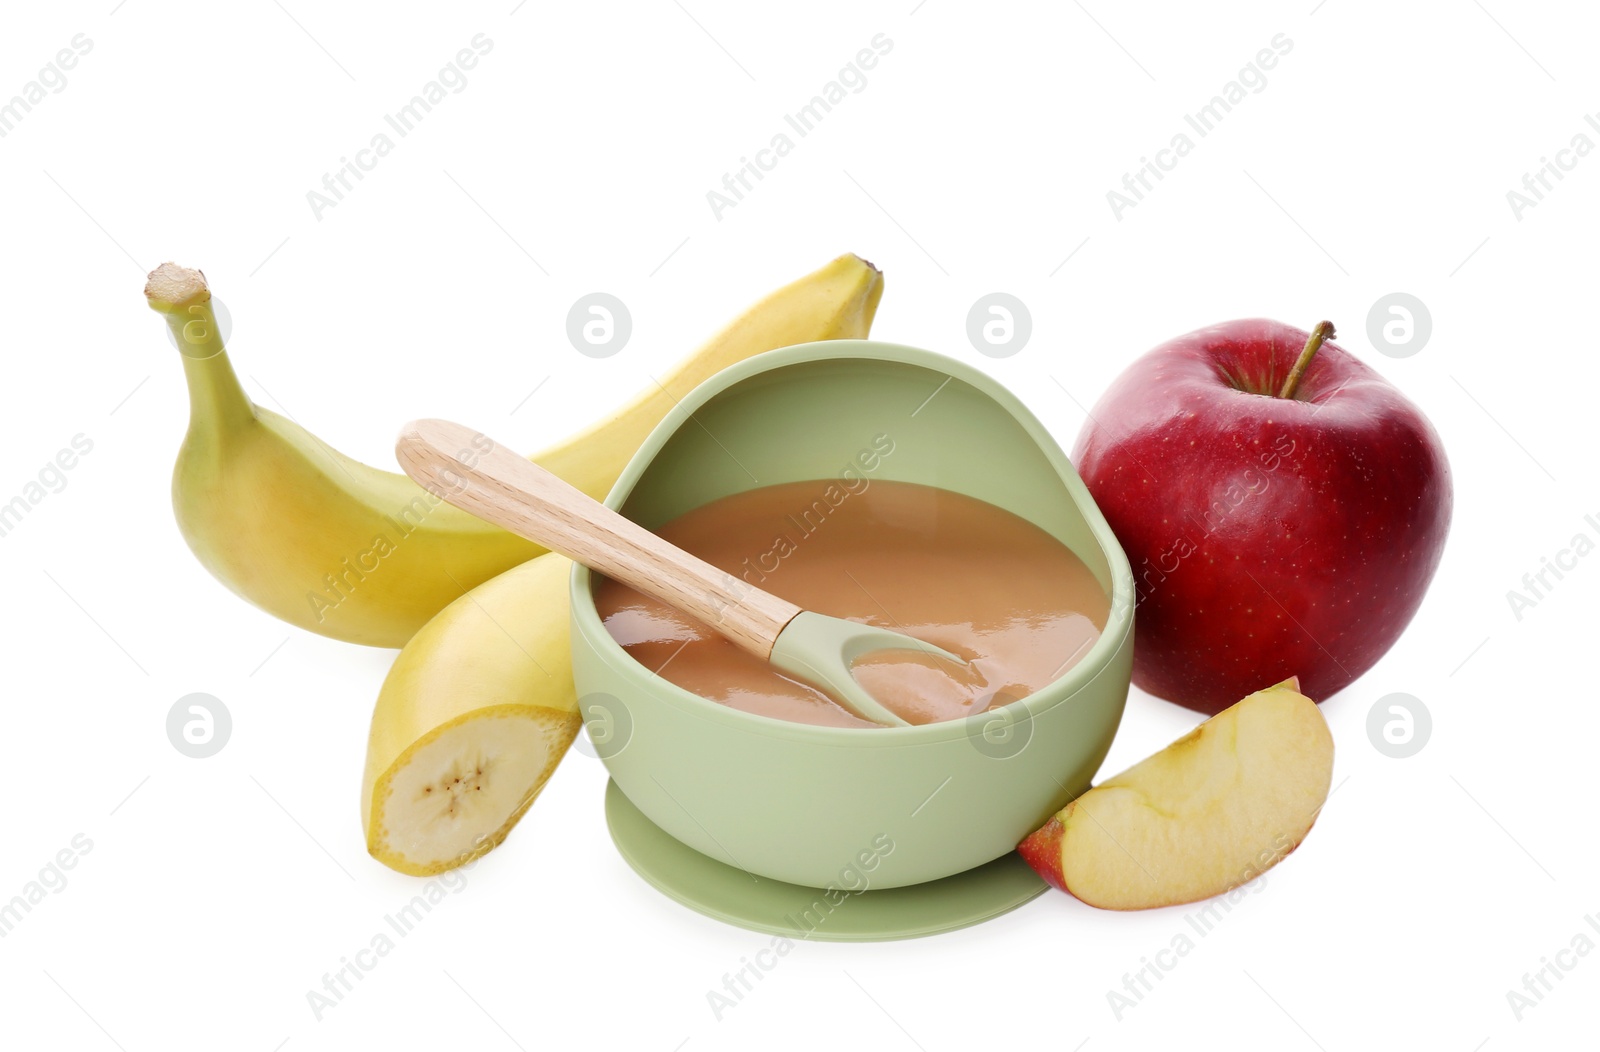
(172, 288)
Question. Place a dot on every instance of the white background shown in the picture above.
(577, 158)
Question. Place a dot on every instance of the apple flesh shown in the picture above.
(1215, 809)
(1269, 536)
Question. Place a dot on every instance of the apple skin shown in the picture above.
(1269, 537)
(1041, 849)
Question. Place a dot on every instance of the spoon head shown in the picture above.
(820, 650)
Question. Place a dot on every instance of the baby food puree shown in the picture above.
(960, 573)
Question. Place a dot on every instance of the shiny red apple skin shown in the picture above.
(1268, 537)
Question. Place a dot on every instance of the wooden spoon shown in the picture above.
(503, 487)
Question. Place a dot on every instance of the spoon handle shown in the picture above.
(478, 475)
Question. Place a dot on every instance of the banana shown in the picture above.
(367, 556)
(472, 719)
(481, 701)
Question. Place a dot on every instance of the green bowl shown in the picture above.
(854, 807)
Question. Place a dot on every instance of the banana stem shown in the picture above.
(184, 297)
(216, 399)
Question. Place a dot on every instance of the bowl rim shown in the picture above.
(1119, 619)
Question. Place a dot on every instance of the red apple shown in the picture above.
(1282, 505)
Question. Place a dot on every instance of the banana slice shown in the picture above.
(471, 722)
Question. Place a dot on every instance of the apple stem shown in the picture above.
(1322, 332)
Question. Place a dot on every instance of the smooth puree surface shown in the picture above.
(960, 573)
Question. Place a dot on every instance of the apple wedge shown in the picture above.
(1215, 809)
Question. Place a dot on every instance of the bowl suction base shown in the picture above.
(734, 896)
